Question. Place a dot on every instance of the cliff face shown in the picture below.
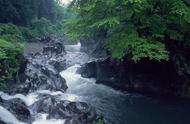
(180, 62)
(164, 78)
(95, 46)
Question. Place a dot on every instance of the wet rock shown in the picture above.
(18, 108)
(41, 72)
(59, 63)
(56, 48)
(104, 70)
(95, 46)
(73, 112)
(181, 65)
(145, 76)
(1, 122)
(42, 69)
(1, 100)
(169, 78)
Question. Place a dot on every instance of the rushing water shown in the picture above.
(115, 106)
(118, 107)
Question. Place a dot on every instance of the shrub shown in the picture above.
(9, 60)
(11, 33)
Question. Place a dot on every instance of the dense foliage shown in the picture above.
(35, 18)
(10, 50)
(9, 60)
(136, 28)
(23, 12)
(20, 21)
(10, 32)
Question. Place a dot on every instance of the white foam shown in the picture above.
(43, 120)
(29, 99)
(71, 76)
(55, 93)
(74, 48)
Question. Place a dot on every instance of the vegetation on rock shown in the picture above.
(9, 61)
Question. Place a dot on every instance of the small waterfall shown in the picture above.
(8, 117)
(73, 79)
(70, 73)
(29, 99)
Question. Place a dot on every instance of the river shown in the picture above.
(117, 107)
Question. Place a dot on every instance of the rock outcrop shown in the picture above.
(161, 78)
(95, 46)
(127, 75)
(69, 111)
(18, 108)
(40, 70)
(180, 62)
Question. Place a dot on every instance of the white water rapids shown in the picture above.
(71, 78)
(115, 106)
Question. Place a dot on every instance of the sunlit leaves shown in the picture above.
(122, 44)
(180, 9)
(107, 22)
(136, 28)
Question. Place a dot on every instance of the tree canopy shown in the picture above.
(23, 12)
(136, 28)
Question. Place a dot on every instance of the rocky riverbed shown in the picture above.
(37, 89)
(62, 84)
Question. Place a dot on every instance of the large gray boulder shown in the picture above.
(41, 69)
(61, 109)
(145, 76)
(18, 108)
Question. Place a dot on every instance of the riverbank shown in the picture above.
(38, 95)
(166, 78)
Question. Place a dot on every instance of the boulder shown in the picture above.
(1, 100)
(18, 108)
(104, 70)
(41, 69)
(145, 76)
(59, 63)
(53, 48)
(94, 46)
(1, 122)
(75, 112)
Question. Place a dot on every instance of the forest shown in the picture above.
(22, 21)
(94, 61)
(136, 28)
